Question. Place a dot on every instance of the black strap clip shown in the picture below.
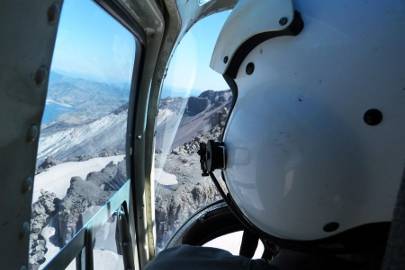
(212, 156)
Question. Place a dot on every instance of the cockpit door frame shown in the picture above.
(28, 30)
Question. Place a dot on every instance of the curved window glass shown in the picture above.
(81, 153)
(193, 108)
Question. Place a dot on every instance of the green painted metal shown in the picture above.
(28, 33)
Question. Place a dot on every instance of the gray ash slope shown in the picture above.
(104, 136)
(201, 115)
(63, 141)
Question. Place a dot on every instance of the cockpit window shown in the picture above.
(193, 108)
(81, 159)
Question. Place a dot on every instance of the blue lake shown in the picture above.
(53, 112)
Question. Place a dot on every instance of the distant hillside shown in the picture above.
(105, 135)
(84, 99)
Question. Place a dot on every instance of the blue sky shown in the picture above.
(91, 44)
(189, 68)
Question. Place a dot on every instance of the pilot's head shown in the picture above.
(315, 141)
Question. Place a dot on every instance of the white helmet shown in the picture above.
(315, 142)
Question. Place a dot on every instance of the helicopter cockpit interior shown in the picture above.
(133, 127)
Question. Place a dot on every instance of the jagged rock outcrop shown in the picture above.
(173, 208)
(42, 210)
(46, 164)
(79, 197)
(195, 105)
(95, 190)
(68, 215)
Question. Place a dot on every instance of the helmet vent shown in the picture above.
(283, 21)
(331, 227)
(250, 68)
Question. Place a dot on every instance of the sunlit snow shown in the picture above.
(57, 179)
(231, 242)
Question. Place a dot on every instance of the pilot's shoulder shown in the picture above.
(186, 257)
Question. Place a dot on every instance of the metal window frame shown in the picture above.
(80, 248)
(177, 18)
(28, 30)
(26, 54)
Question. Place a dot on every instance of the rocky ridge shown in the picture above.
(42, 211)
(68, 215)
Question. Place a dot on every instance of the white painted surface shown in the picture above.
(258, 17)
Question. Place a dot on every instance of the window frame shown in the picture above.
(179, 19)
(80, 247)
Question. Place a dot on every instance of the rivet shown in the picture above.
(250, 68)
(40, 75)
(283, 21)
(27, 185)
(373, 117)
(25, 230)
(32, 134)
(139, 137)
(226, 58)
(53, 12)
